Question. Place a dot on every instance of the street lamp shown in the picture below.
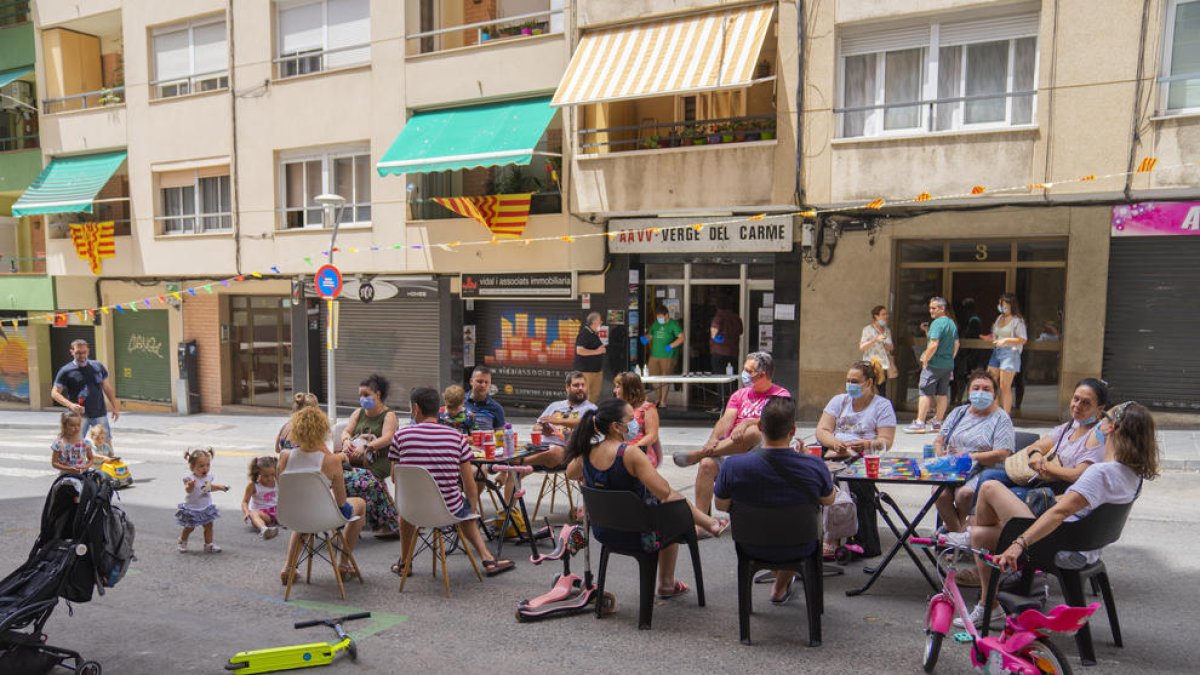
(331, 206)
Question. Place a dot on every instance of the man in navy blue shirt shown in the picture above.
(489, 414)
(753, 480)
(82, 385)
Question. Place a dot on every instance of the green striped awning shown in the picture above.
(11, 75)
(492, 134)
(69, 184)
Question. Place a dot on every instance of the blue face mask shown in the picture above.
(1089, 421)
(1100, 435)
(980, 400)
(366, 402)
(631, 430)
(747, 378)
(854, 390)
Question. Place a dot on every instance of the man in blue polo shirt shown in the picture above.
(489, 414)
(82, 385)
(775, 475)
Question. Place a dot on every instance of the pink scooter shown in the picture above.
(569, 594)
(1023, 647)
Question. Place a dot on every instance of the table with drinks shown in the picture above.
(875, 469)
(493, 453)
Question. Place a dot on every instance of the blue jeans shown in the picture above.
(101, 421)
(998, 474)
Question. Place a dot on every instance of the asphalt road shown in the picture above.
(188, 613)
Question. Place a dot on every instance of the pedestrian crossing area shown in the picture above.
(27, 455)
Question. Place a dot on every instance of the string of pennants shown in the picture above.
(1146, 165)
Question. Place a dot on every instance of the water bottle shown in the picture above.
(509, 441)
(728, 368)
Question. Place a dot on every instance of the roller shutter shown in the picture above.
(143, 356)
(398, 338)
(1150, 348)
(529, 345)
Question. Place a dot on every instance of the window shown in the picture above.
(964, 75)
(190, 58)
(317, 36)
(346, 173)
(1181, 61)
(195, 202)
(435, 25)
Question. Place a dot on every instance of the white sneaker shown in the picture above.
(977, 618)
(958, 539)
(182, 546)
(212, 548)
(270, 532)
(915, 428)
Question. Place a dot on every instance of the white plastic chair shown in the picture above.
(419, 503)
(306, 507)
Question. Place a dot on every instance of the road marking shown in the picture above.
(43, 458)
(14, 472)
(127, 449)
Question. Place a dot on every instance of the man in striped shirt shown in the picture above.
(445, 453)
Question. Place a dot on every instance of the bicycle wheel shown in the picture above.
(933, 647)
(1048, 658)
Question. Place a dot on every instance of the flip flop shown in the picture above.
(723, 524)
(786, 596)
(493, 567)
(398, 567)
(679, 589)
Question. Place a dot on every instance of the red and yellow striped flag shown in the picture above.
(503, 215)
(94, 241)
(1146, 165)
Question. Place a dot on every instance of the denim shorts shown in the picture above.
(1006, 358)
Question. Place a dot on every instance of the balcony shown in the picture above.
(84, 64)
(453, 24)
(22, 247)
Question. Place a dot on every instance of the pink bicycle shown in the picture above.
(1023, 646)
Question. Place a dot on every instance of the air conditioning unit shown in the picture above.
(16, 95)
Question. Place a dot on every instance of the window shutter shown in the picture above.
(871, 42)
(349, 25)
(211, 54)
(176, 179)
(171, 55)
(301, 28)
(988, 30)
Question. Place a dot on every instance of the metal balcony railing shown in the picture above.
(100, 98)
(317, 60)
(498, 28)
(199, 82)
(19, 143)
(714, 131)
(929, 111)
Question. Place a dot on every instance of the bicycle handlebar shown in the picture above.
(927, 541)
(332, 622)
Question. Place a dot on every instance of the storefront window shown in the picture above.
(702, 271)
(1036, 251)
(921, 251)
(664, 271)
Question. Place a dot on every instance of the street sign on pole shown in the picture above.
(328, 282)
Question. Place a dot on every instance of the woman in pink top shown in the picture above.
(628, 387)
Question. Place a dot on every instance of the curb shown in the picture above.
(54, 428)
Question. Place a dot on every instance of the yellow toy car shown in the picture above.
(118, 471)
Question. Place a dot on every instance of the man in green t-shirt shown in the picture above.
(937, 364)
(664, 337)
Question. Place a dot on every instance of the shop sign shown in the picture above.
(1156, 219)
(772, 234)
(539, 285)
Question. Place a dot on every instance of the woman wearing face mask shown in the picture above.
(1009, 336)
(600, 453)
(980, 429)
(628, 387)
(860, 419)
(363, 448)
(876, 344)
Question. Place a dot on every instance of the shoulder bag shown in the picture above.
(1017, 464)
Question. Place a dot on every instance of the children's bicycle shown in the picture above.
(1023, 647)
(299, 656)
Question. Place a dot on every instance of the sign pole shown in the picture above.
(330, 345)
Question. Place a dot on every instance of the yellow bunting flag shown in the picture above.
(503, 215)
(923, 197)
(698, 226)
(812, 213)
(978, 190)
(94, 241)
(876, 203)
(1037, 186)
(1146, 165)
(759, 216)
(1090, 176)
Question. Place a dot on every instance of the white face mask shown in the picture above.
(662, 319)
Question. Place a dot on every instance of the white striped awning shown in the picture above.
(698, 52)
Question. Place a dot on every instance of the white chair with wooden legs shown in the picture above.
(306, 507)
(554, 483)
(419, 503)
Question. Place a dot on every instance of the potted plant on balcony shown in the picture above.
(767, 128)
(693, 135)
(726, 132)
(528, 27)
(486, 33)
(713, 132)
(652, 142)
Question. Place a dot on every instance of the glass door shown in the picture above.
(262, 335)
(973, 297)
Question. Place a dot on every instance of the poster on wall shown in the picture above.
(1156, 219)
(14, 365)
(529, 346)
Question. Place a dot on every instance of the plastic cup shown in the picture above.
(871, 464)
(927, 451)
(816, 450)
(477, 438)
(489, 448)
(535, 438)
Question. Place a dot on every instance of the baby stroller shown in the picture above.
(85, 543)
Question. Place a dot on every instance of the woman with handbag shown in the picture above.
(981, 429)
(1058, 459)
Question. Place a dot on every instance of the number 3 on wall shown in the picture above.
(981, 252)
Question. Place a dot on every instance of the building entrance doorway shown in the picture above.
(262, 342)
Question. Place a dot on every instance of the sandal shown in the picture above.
(493, 567)
(679, 589)
(722, 525)
(782, 600)
(398, 567)
(283, 576)
(347, 571)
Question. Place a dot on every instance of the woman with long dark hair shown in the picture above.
(600, 453)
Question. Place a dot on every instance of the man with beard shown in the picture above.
(558, 420)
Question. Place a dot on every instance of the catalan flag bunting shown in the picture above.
(1146, 165)
(503, 215)
(94, 241)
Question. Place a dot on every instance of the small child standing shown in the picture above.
(261, 497)
(454, 413)
(71, 452)
(101, 447)
(197, 509)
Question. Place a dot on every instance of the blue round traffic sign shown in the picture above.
(328, 282)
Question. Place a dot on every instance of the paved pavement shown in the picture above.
(188, 613)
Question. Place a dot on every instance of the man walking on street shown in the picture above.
(82, 385)
(489, 414)
(664, 337)
(589, 355)
(937, 365)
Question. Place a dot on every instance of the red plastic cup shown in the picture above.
(816, 450)
(871, 464)
(477, 438)
(489, 448)
(535, 438)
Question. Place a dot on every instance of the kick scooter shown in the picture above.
(299, 656)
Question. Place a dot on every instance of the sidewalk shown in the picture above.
(1180, 448)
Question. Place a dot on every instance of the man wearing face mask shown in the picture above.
(737, 431)
(664, 336)
(589, 355)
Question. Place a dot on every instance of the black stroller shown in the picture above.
(85, 543)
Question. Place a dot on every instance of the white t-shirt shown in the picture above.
(863, 425)
(1101, 483)
(200, 497)
(877, 350)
